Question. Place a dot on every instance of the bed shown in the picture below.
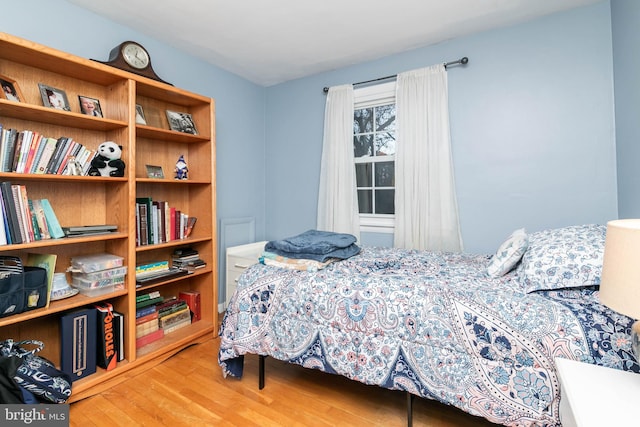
(478, 332)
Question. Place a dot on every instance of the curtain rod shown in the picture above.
(463, 61)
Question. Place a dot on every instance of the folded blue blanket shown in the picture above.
(316, 245)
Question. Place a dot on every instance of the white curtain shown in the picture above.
(426, 209)
(338, 198)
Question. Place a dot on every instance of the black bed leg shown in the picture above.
(261, 372)
(409, 409)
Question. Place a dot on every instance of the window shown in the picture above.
(374, 145)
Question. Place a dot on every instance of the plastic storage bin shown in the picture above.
(96, 262)
(106, 286)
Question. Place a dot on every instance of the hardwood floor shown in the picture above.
(189, 390)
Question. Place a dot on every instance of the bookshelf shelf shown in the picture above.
(86, 200)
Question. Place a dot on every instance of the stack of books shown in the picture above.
(147, 327)
(156, 271)
(187, 259)
(173, 315)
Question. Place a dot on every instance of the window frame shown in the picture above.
(372, 96)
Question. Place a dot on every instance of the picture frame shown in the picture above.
(54, 98)
(10, 89)
(181, 122)
(90, 106)
(154, 171)
(140, 119)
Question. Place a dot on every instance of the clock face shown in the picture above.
(135, 55)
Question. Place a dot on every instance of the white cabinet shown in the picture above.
(239, 258)
(596, 396)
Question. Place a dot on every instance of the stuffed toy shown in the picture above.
(107, 161)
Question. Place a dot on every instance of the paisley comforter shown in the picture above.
(434, 324)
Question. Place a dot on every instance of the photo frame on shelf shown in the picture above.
(181, 122)
(10, 89)
(154, 172)
(54, 98)
(90, 106)
(140, 119)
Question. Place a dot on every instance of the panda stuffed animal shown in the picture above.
(107, 161)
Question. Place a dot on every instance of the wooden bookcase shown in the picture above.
(85, 200)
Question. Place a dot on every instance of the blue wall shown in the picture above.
(532, 119)
(625, 16)
(532, 123)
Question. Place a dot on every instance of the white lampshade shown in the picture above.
(620, 280)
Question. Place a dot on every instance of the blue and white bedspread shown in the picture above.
(430, 323)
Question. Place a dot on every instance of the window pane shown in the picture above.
(385, 144)
(362, 145)
(365, 204)
(363, 175)
(386, 118)
(363, 120)
(385, 202)
(385, 174)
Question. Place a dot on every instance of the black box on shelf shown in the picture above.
(20, 292)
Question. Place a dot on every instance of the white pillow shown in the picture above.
(508, 254)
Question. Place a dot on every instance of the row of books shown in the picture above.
(157, 316)
(91, 337)
(157, 222)
(25, 220)
(30, 152)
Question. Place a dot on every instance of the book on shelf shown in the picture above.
(146, 324)
(191, 222)
(171, 305)
(192, 298)
(48, 262)
(148, 296)
(41, 219)
(146, 236)
(17, 203)
(89, 230)
(151, 267)
(8, 148)
(55, 230)
(48, 146)
(4, 230)
(143, 311)
(155, 299)
(118, 326)
(12, 213)
(174, 321)
(78, 343)
(149, 338)
(171, 273)
(106, 354)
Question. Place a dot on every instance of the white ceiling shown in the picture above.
(269, 42)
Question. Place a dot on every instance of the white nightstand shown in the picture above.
(239, 258)
(597, 396)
